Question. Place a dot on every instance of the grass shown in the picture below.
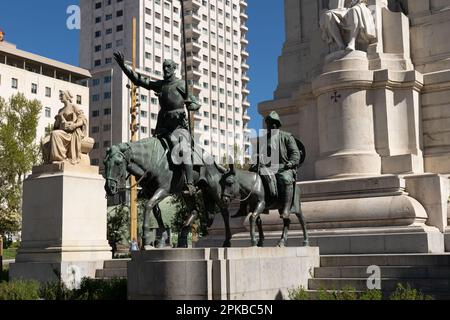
(9, 253)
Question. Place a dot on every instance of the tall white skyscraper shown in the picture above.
(216, 62)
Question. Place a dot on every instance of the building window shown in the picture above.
(97, 63)
(119, 28)
(95, 82)
(95, 97)
(95, 113)
(98, 34)
(98, 48)
(79, 99)
(106, 144)
(108, 60)
(34, 88)
(107, 111)
(98, 19)
(107, 127)
(107, 79)
(144, 130)
(48, 92)
(48, 112)
(119, 13)
(14, 83)
(108, 17)
(95, 129)
(107, 95)
(98, 5)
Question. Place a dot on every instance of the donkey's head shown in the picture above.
(115, 169)
(229, 186)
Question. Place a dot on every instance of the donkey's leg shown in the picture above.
(301, 219)
(261, 232)
(226, 220)
(284, 235)
(255, 217)
(185, 229)
(162, 235)
(157, 197)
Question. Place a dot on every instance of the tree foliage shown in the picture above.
(18, 153)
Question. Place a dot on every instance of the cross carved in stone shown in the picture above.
(335, 97)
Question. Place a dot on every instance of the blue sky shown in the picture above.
(41, 28)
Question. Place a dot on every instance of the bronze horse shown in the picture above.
(149, 161)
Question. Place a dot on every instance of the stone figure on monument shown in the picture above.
(350, 22)
(70, 131)
(172, 121)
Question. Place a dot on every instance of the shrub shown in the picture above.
(347, 293)
(19, 290)
(55, 291)
(407, 293)
(99, 289)
(372, 295)
(298, 294)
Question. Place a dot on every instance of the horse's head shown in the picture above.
(229, 186)
(115, 170)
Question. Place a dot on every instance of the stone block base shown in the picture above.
(220, 274)
(70, 273)
(361, 241)
(63, 225)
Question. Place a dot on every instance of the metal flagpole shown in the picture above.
(133, 129)
(185, 70)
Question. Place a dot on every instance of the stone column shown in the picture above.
(345, 118)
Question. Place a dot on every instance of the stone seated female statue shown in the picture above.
(69, 139)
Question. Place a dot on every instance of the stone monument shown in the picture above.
(370, 105)
(64, 207)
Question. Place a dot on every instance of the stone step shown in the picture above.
(116, 264)
(386, 260)
(110, 273)
(400, 272)
(424, 285)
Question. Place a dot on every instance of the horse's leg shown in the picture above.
(261, 232)
(157, 197)
(301, 219)
(284, 235)
(226, 220)
(161, 239)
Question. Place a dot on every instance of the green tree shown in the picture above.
(18, 153)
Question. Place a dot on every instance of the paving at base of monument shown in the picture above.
(428, 273)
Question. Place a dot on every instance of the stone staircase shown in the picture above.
(429, 273)
(116, 268)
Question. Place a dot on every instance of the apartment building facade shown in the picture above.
(216, 63)
(41, 78)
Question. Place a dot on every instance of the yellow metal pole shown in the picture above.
(133, 128)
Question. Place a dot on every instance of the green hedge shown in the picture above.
(90, 289)
(348, 293)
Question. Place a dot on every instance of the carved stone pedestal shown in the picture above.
(63, 225)
(220, 274)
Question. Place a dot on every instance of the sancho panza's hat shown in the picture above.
(273, 116)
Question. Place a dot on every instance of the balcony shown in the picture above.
(243, 4)
(245, 66)
(246, 103)
(244, 28)
(193, 45)
(193, 59)
(192, 31)
(194, 72)
(193, 5)
(246, 117)
(244, 41)
(245, 91)
(197, 116)
(192, 17)
(245, 78)
(243, 16)
(244, 53)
